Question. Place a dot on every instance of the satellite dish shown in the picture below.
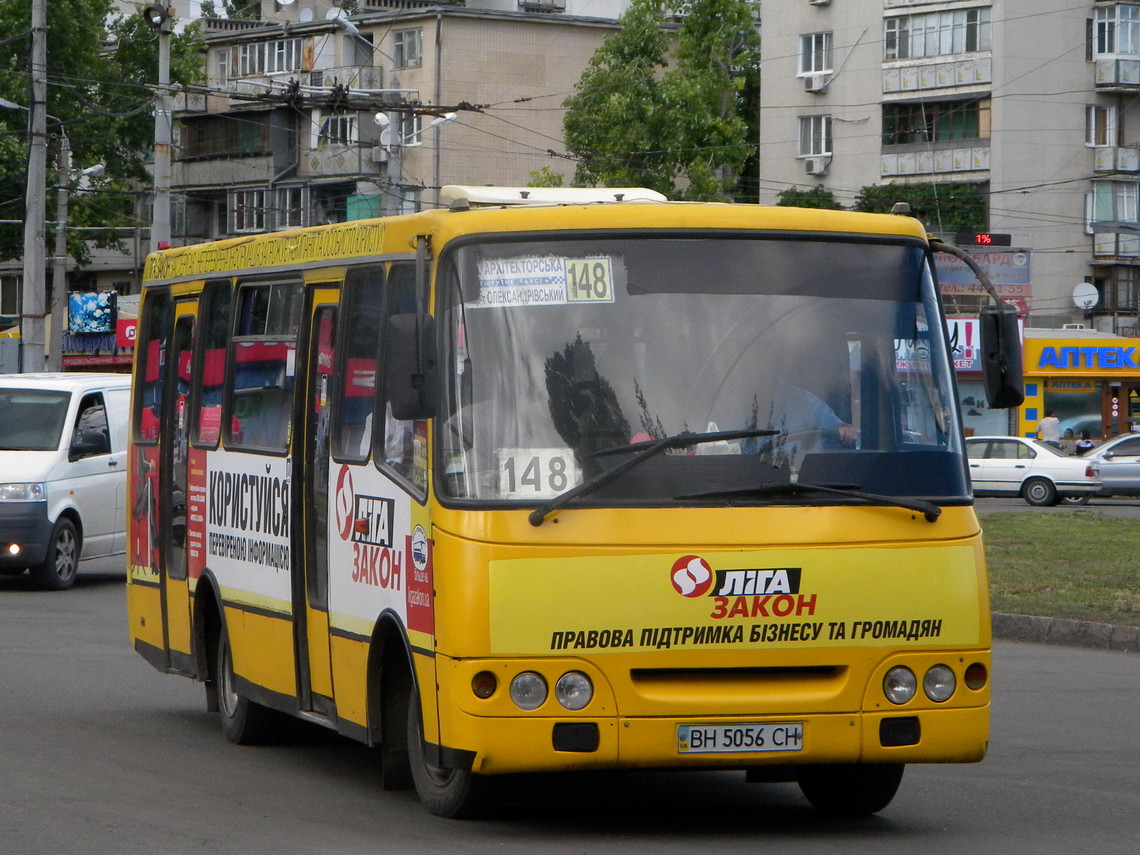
(334, 13)
(286, 2)
(305, 15)
(1085, 296)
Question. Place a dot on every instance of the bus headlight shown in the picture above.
(23, 492)
(528, 690)
(939, 683)
(900, 684)
(574, 690)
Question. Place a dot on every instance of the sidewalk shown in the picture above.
(1074, 633)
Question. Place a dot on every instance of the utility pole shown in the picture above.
(59, 266)
(35, 208)
(160, 17)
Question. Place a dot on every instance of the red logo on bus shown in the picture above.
(692, 576)
(345, 503)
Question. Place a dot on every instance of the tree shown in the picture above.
(943, 208)
(100, 79)
(243, 10)
(667, 108)
(817, 197)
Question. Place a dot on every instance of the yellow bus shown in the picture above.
(568, 480)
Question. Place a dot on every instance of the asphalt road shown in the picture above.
(1125, 508)
(99, 753)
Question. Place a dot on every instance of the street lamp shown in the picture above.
(395, 142)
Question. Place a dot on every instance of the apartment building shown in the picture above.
(1032, 101)
(309, 117)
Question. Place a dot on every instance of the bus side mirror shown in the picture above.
(412, 367)
(1001, 356)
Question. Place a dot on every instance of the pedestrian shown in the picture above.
(1084, 443)
(1049, 430)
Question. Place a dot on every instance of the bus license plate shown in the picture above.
(733, 738)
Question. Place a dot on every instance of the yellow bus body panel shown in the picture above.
(262, 649)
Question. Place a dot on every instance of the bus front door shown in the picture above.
(311, 580)
(174, 452)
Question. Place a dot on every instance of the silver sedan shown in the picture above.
(1119, 463)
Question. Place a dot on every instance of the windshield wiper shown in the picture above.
(778, 488)
(644, 451)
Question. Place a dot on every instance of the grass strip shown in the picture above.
(1067, 564)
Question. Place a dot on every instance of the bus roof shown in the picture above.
(344, 243)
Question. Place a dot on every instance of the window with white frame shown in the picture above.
(247, 210)
(815, 136)
(936, 34)
(1113, 202)
(815, 53)
(409, 201)
(338, 129)
(411, 129)
(275, 56)
(407, 47)
(1116, 30)
(290, 210)
(1100, 126)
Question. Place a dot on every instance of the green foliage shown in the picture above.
(545, 177)
(817, 197)
(943, 208)
(668, 112)
(243, 10)
(104, 98)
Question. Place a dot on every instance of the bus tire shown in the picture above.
(244, 722)
(857, 789)
(60, 566)
(451, 793)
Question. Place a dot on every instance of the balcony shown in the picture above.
(931, 74)
(1116, 159)
(1118, 74)
(961, 158)
(1116, 245)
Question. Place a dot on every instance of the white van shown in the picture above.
(63, 472)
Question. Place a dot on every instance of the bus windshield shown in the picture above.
(563, 357)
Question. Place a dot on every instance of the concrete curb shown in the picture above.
(1074, 633)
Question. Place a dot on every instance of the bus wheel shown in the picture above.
(244, 722)
(452, 793)
(61, 564)
(850, 790)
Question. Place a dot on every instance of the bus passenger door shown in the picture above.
(311, 585)
(174, 450)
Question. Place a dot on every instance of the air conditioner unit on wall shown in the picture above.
(819, 2)
(816, 165)
(815, 83)
(1072, 326)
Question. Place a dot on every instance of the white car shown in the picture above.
(1039, 473)
(63, 472)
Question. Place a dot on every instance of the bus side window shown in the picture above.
(264, 365)
(355, 380)
(403, 443)
(154, 339)
(209, 374)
